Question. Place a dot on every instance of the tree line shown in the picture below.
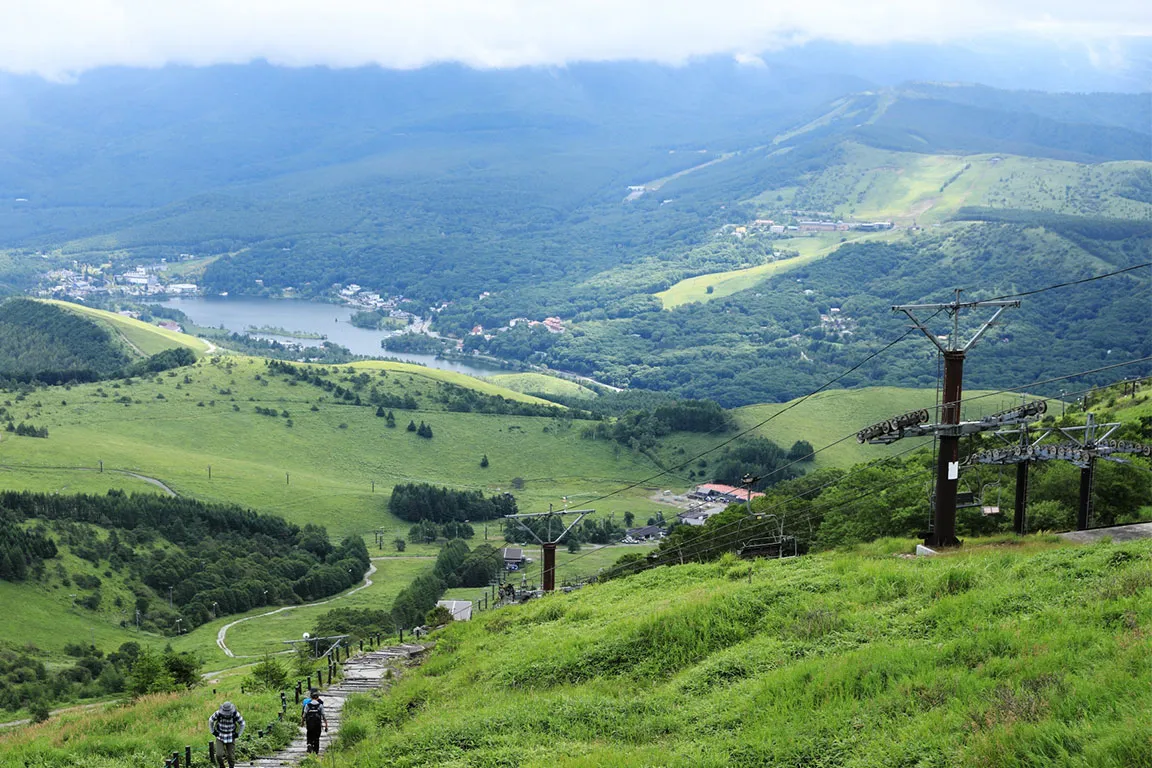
(833, 508)
(227, 559)
(26, 682)
(21, 549)
(415, 502)
(456, 566)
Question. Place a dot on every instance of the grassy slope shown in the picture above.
(139, 735)
(541, 383)
(727, 283)
(822, 420)
(329, 468)
(148, 339)
(43, 613)
(995, 655)
(829, 416)
(926, 190)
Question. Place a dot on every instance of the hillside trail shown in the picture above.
(362, 674)
(222, 635)
(152, 480)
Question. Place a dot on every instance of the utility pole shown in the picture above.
(953, 349)
(548, 546)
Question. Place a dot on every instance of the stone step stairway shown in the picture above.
(362, 674)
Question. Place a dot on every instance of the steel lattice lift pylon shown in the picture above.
(1085, 444)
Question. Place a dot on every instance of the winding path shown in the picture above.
(221, 636)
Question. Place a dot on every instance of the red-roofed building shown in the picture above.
(718, 492)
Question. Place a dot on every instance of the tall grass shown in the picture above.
(1030, 655)
(143, 733)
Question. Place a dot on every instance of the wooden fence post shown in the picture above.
(187, 755)
(212, 753)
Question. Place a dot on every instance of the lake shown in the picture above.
(239, 314)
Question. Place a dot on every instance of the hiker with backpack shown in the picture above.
(227, 725)
(312, 717)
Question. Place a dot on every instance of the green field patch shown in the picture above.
(833, 415)
(334, 465)
(925, 189)
(541, 383)
(720, 284)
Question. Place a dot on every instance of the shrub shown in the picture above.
(437, 616)
(268, 675)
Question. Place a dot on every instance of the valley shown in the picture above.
(303, 337)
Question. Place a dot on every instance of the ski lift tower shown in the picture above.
(548, 544)
(954, 349)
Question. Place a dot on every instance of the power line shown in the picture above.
(867, 359)
(878, 462)
(1070, 282)
(854, 471)
(1060, 378)
(757, 426)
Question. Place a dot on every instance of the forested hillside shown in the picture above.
(770, 343)
(225, 559)
(594, 193)
(43, 342)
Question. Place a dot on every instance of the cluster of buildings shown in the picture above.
(840, 226)
(86, 280)
(807, 226)
(355, 296)
(837, 322)
(552, 324)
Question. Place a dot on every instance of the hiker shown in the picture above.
(227, 725)
(312, 717)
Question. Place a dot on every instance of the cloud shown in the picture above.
(56, 38)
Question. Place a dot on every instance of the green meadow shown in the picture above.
(833, 415)
(324, 462)
(541, 383)
(143, 338)
(927, 190)
(922, 190)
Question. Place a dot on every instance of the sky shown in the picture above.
(61, 38)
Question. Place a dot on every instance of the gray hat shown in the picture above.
(313, 692)
(227, 707)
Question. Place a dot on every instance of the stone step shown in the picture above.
(362, 674)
